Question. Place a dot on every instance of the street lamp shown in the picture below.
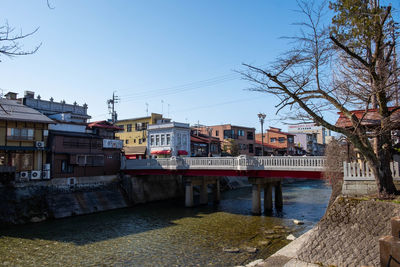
(262, 116)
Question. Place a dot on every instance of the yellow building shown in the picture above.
(134, 134)
(23, 139)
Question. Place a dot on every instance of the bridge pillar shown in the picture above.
(203, 193)
(278, 196)
(268, 198)
(256, 199)
(216, 191)
(188, 193)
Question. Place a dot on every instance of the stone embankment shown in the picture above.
(348, 235)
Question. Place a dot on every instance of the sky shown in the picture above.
(180, 57)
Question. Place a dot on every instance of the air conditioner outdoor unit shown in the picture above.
(46, 175)
(24, 175)
(40, 144)
(36, 175)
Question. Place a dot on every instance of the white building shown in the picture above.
(168, 139)
(323, 135)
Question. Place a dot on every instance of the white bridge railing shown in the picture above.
(360, 171)
(303, 163)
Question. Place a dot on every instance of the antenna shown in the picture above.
(147, 109)
(111, 107)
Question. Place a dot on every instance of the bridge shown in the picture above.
(262, 172)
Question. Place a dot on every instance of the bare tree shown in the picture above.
(10, 42)
(326, 70)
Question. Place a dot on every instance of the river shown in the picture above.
(165, 233)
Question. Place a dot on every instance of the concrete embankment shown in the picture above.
(348, 235)
(64, 197)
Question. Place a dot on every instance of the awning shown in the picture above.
(182, 152)
(161, 152)
(135, 150)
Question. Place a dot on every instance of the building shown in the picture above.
(134, 134)
(227, 133)
(323, 135)
(23, 139)
(308, 142)
(268, 149)
(77, 148)
(168, 139)
(202, 145)
(282, 141)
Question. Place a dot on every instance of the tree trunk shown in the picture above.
(382, 171)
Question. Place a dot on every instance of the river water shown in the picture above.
(166, 233)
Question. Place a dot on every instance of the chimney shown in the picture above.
(11, 96)
(29, 94)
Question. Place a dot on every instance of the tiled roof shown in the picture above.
(12, 110)
(267, 145)
(371, 118)
(105, 125)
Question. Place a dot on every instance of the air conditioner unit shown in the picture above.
(36, 175)
(40, 144)
(46, 175)
(71, 181)
(24, 175)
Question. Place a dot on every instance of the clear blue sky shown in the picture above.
(181, 52)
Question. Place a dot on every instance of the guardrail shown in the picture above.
(361, 171)
(302, 163)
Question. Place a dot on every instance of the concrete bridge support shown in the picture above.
(202, 182)
(267, 184)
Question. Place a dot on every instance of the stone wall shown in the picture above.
(36, 201)
(349, 233)
(362, 188)
(148, 188)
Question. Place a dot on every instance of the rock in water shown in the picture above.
(250, 249)
(291, 237)
(231, 250)
(298, 222)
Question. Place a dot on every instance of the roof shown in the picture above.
(13, 110)
(280, 132)
(134, 150)
(369, 118)
(75, 134)
(203, 139)
(227, 124)
(104, 125)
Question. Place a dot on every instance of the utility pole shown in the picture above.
(262, 116)
(111, 107)
(147, 109)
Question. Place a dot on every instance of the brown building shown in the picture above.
(91, 153)
(242, 136)
(202, 145)
(282, 141)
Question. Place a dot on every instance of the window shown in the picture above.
(152, 140)
(22, 161)
(229, 134)
(121, 126)
(251, 148)
(273, 140)
(290, 139)
(242, 146)
(140, 141)
(240, 133)
(20, 134)
(127, 141)
(129, 127)
(184, 140)
(168, 139)
(281, 139)
(66, 168)
(134, 140)
(179, 139)
(250, 136)
(216, 133)
(163, 139)
(157, 140)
